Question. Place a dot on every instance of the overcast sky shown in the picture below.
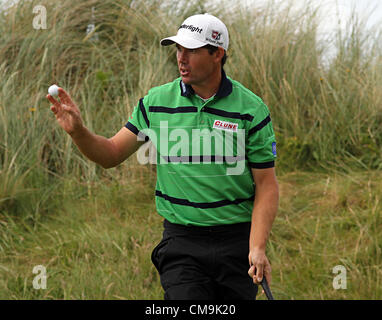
(370, 10)
(367, 10)
(335, 11)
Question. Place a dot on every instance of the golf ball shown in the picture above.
(53, 90)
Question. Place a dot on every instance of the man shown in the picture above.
(217, 190)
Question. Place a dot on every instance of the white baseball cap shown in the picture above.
(199, 30)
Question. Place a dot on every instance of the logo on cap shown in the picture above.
(191, 28)
(216, 35)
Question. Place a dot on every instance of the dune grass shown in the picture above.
(99, 246)
(94, 229)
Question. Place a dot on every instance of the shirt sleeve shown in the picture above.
(139, 120)
(260, 146)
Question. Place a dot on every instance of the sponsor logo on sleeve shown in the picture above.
(274, 149)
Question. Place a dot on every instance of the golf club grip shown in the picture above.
(266, 289)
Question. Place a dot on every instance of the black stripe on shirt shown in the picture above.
(264, 165)
(135, 130)
(173, 110)
(143, 110)
(260, 126)
(226, 114)
(203, 159)
(201, 205)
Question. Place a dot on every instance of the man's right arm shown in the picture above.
(106, 152)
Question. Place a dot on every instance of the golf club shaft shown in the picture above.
(266, 289)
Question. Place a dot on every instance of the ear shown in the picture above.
(219, 54)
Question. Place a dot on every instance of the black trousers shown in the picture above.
(204, 263)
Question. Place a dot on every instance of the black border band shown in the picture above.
(135, 130)
(264, 165)
(201, 205)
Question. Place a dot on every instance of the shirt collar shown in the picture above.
(225, 88)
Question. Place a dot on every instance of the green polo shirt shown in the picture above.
(205, 150)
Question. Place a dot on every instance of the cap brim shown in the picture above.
(188, 43)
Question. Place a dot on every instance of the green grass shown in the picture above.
(327, 220)
(94, 247)
(98, 245)
(94, 229)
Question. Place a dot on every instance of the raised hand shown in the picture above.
(66, 111)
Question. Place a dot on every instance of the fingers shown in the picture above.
(56, 105)
(65, 97)
(259, 273)
(65, 102)
(52, 100)
(260, 267)
(256, 272)
(251, 271)
(268, 273)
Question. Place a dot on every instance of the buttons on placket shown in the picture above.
(201, 114)
(198, 116)
(202, 121)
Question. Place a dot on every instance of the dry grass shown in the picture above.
(94, 229)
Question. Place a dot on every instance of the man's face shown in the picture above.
(196, 65)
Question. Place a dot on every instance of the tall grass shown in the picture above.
(326, 220)
(324, 113)
(326, 116)
(99, 247)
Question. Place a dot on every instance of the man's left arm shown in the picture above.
(263, 214)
